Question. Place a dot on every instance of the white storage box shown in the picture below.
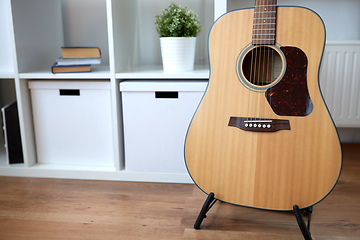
(72, 121)
(156, 118)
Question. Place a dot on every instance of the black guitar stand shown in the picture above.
(305, 230)
(210, 201)
(299, 217)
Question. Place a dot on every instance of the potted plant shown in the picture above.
(177, 27)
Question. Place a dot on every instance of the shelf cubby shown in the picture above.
(42, 27)
(136, 43)
(7, 96)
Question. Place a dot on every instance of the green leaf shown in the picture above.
(177, 21)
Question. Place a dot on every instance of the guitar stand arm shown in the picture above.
(305, 230)
(300, 220)
(209, 202)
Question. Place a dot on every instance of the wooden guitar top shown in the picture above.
(299, 163)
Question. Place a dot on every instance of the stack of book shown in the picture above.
(77, 59)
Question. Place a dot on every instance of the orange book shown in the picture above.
(81, 52)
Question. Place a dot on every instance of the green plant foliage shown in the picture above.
(177, 21)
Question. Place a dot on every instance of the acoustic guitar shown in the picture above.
(262, 135)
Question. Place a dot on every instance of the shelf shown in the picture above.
(91, 173)
(98, 72)
(156, 72)
(73, 167)
(4, 75)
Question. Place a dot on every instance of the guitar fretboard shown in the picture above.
(264, 24)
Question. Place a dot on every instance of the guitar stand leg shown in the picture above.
(300, 220)
(209, 202)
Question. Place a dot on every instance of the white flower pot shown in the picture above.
(178, 53)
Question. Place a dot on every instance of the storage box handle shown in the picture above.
(69, 92)
(166, 94)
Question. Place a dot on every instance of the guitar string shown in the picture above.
(253, 80)
(269, 65)
(252, 74)
(250, 78)
(259, 66)
(260, 81)
(266, 60)
(262, 60)
(257, 74)
(273, 76)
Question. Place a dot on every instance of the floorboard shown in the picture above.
(34, 208)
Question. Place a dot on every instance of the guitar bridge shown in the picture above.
(259, 124)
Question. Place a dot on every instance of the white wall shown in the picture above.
(6, 55)
(149, 43)
(85, 24)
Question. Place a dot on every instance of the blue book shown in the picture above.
(70, 68)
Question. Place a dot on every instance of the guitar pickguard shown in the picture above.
(290, 96)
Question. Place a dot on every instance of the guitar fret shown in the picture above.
(266, 18)
(263, 23)
(259, 22)
(265, 5)
(266, 29)
(264, 34)
(259, 12)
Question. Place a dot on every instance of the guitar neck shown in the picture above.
(264, 24)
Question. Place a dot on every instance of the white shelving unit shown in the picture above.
(33, 31)
(124, 30)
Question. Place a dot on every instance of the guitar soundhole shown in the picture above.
(262, 65)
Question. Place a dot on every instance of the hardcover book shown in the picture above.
(70, 68)
(81, 52)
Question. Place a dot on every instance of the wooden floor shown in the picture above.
(77, 209)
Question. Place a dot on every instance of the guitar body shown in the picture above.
(298, 164)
